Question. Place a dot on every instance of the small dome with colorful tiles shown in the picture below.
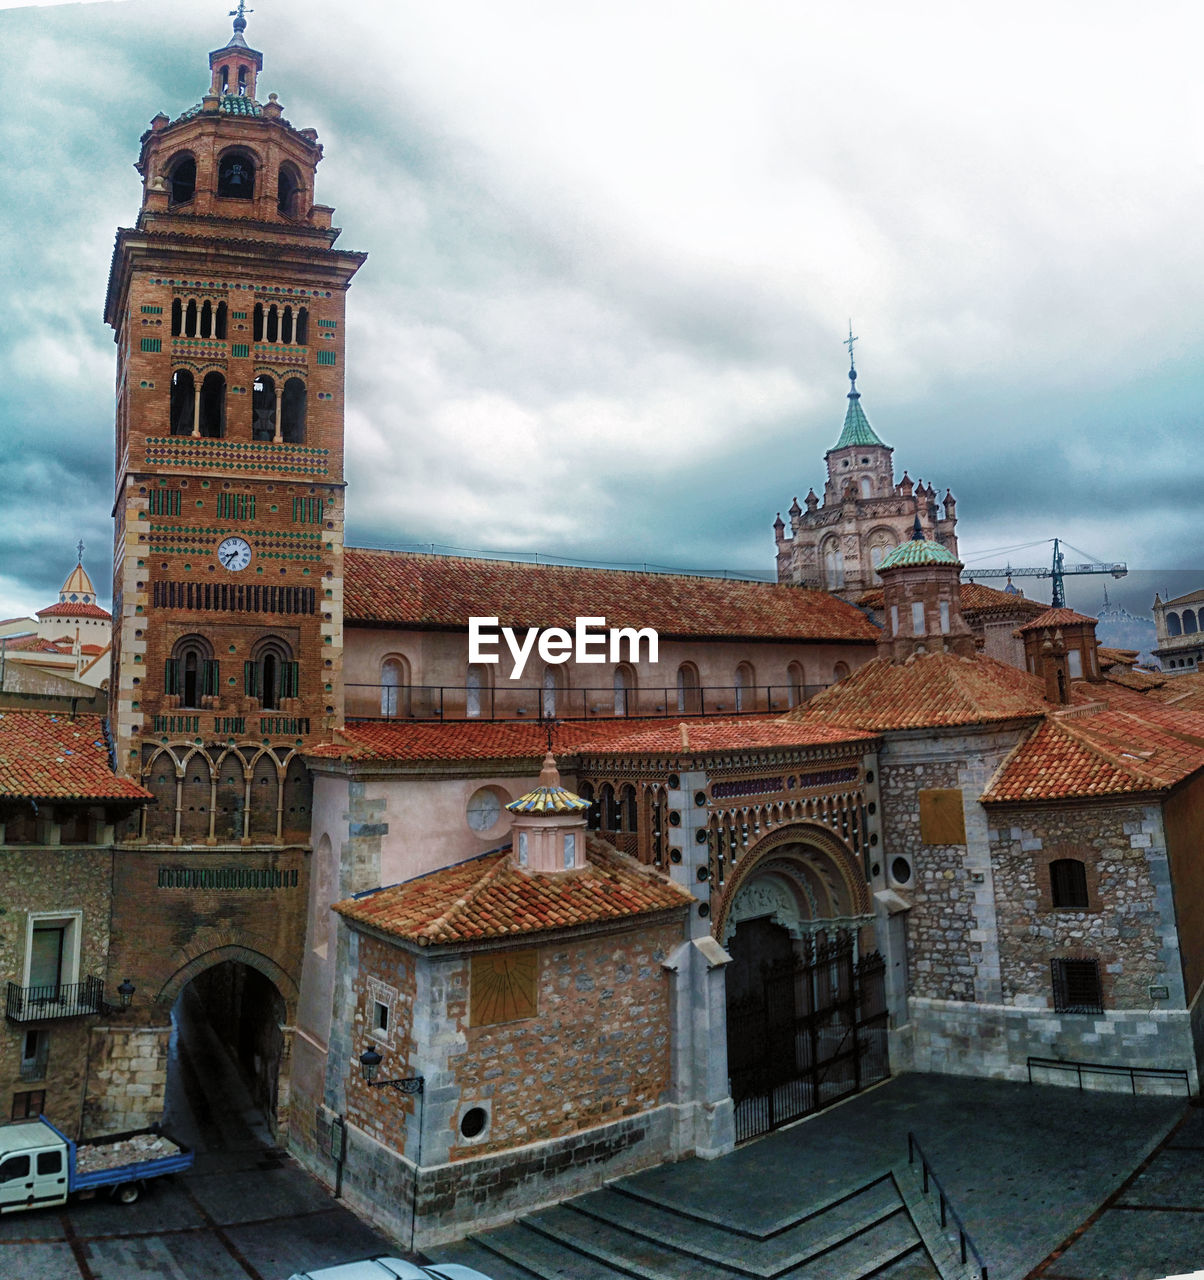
(549, 796)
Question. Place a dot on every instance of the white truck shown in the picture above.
(40, 1166)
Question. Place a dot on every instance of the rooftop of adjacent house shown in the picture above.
(979, 603)
(1123, 744)
(58, 757)
(70, 609)
(1053, 618)
(489, 897)
(518, 740)
(934, 690)
(406, 589)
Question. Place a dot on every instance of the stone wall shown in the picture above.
(49, 880)
(127, 1078)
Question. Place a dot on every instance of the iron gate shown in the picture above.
(813, 1034)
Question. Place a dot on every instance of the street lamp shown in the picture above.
(370, 1062)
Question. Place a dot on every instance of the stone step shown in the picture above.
(914, 1266)
(535, 1254)
(470, 1253)
(881, 1242)
(708, 1240)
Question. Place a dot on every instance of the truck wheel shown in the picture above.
(127, 1192)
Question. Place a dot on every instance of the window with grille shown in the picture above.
(1068, 884)
(1076, 986)
(236, 506)
(26, 1106)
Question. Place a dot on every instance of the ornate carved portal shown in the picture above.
(806, 1011)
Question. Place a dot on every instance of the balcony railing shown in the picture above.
(506, 702)
(66, 1000)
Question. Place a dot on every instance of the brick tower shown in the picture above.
(227, 300)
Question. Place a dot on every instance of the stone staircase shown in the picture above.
(620, 1232)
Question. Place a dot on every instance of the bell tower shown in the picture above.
(227, 303)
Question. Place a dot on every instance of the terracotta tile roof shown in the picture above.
(406, 589)
(75, 611)
(56, 757)
(1109, 656)
(488, 897)
(466, 739)
(977, 601)
(700, 736)
(1124, 745)
(927, 691)
(31, 644)
(1183, 693)
(1131, 678)
(1056, 618)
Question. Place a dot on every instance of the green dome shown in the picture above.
(917, 551)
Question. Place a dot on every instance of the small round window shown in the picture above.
(473, 1122)
(900, 869)
(484, 809)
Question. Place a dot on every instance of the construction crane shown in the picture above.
(1057, 571)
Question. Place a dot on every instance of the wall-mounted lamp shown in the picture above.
(370, 1062)
(126, 992)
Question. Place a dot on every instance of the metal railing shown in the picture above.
(64, 1000)
(1112, 1069)
(533, 702)
(947, 1210)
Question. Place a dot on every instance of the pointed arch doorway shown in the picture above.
(806, 1008)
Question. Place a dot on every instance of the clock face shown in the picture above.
(234, 554)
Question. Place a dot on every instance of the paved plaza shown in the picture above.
(1052, 1183)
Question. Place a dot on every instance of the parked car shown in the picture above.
(40, 1166)
(392, 1269)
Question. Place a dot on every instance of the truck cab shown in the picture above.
(33, 1166)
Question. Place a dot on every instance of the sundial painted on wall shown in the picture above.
(504, 987)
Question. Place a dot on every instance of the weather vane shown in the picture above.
(241, 11)
(848, 342)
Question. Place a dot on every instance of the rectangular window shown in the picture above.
(238, 315)
(307, 510)
(570, 850)
(326, 357)
(328, 324)
(522, 849)
(1074, 660)
(152, 311)
(944, 617)
(1068, 884)
(917, 618)
(942, 816)
(894, 619)
(35, 1052)
(240, 350)
(1076, 986)
(50, 1162)
(163, 502)
(26, 1106)
(380, 1017)
(152, 344)
(236, 506)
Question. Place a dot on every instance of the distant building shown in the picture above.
(1179, 624)
(837, 545)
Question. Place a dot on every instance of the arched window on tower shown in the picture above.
(689, 691)
(301, 337)
(746, 699)
(257, 329)
(190, 317)
(177, 317)
(476, 680)
(272, 328)
(288, 192)
(206, 319)
(242, 82)
(796, 683)
(1173, 626)
(183, 396)
(271, 675)
(213, 406)
(225, 79)
(833, 559)
(236, 174)
(191, 673)
(286, 326)
(624, 686)
(292, 412)
(394, 687)
(1189, 622)
(628, 809)
(866, 487)
(263, 408)
(219, 327)
(182, 179)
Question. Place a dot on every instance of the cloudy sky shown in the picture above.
(613, 252)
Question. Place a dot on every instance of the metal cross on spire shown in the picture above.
(848, 342)
(79, 546)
